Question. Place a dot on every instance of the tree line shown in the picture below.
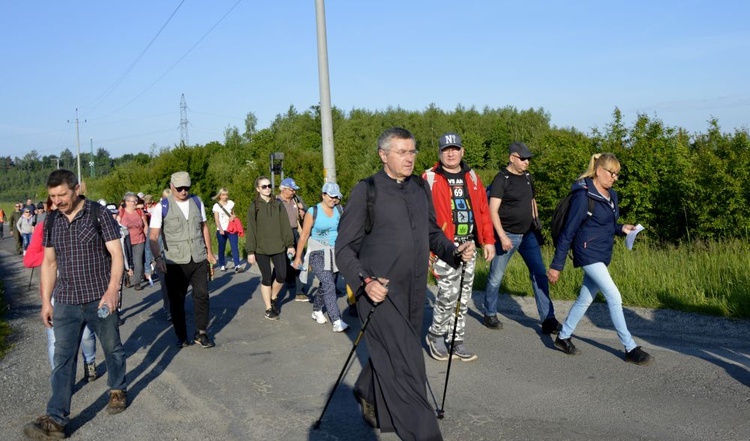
(682, 186)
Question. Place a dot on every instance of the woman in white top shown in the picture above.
(223, 214)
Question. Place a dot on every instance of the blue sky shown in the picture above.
(681, 61)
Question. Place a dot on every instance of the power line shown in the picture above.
(112, 88)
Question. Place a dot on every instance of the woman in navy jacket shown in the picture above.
(591, 239)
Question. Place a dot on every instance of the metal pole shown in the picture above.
(326, 120)
(78, 145)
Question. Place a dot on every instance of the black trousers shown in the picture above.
(178, 278)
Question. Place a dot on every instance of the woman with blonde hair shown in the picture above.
(223, 211)
(269, 237)
(591, 238)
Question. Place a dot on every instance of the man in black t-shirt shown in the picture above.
(513, 209)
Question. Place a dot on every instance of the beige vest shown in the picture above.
(183, 237)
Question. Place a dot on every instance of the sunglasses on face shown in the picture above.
(265, 186)
(521, 158)
(181, 189)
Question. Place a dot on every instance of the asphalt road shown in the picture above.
(268, 380)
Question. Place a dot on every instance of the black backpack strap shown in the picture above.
(48, 224)
(371, 197)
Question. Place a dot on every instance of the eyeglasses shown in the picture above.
(611, 173)
(181, 189)
(265, 186)
(405, 153)
(520, 158)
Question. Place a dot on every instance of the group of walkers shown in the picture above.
(395, 226)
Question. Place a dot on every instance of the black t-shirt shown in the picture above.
(516, 192)
(463, 214)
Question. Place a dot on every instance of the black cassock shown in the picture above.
(397, 248)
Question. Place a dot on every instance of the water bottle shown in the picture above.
(290, 256)
(103, 311)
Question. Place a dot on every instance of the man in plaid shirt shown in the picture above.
(82, 268)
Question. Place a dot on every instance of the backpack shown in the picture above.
(504, 172)
(560, 215)
(372, 197)
(430, 174)
(165, 210)
(338, 208)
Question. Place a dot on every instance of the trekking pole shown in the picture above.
(441, 411)
(31, 277)
(316, 426)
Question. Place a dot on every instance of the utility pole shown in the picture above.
(183, 122)
(78, 145)
(326, 120)
(91, 158)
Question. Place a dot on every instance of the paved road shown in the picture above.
(269, 380)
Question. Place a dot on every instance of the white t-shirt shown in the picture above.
(223, 218)
(184, 207)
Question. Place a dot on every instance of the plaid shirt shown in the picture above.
(83, 263)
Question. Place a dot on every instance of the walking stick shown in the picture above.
(441, 411)
(31, 277)
(316, 426)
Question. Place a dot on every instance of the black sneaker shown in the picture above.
(182, 344)
(202, 339)
(566, 345)
(638, 356)
(275, 306)
(271, 314)
(368, 410)
(551, 326)
(492, 322)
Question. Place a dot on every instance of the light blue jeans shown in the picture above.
(596, 278)
(88, 346)
(528, 248)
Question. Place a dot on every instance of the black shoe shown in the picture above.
(202, 339)
(638, 356)
(368, 410)
(551, 326)
(492, 322)
(182, 344)
(275, 306)
(566, 345)
(138, 287)
(271, 314)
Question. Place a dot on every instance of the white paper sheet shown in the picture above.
(630, 238)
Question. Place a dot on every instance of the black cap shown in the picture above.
(521, 149)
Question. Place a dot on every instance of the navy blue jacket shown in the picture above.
(591, 240)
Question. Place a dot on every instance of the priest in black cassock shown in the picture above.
(389, 265)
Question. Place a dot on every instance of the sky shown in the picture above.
(125, 65)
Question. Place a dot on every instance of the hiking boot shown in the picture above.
(44, 427)
(89, 372)
(275, 306)
(566, 345)
(638, 356)
(319, 317)
(436, 344)
(368, 410)
(202, 339)
(300, 297)
(271, 314)
(340, 326)
(492, 322)
(551, 326)
(461, 353)
(118, 401)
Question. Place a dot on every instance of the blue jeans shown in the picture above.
(88, 346)
(222, 240)
(528, 247)
(596, 278)
(69, 321)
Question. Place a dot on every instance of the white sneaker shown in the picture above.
(223, 268)
(340, 326)
(319, 317)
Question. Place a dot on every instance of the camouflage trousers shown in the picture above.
(444, 312)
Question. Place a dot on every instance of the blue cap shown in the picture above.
(332, 189)
(289, 182)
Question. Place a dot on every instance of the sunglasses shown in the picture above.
(521, 158)
(265, 186)
(181, 189)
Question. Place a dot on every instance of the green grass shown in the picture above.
(709, 278)
(5, 330)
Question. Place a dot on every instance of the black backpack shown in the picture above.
(560, 215)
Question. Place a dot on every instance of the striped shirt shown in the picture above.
(83, 263)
